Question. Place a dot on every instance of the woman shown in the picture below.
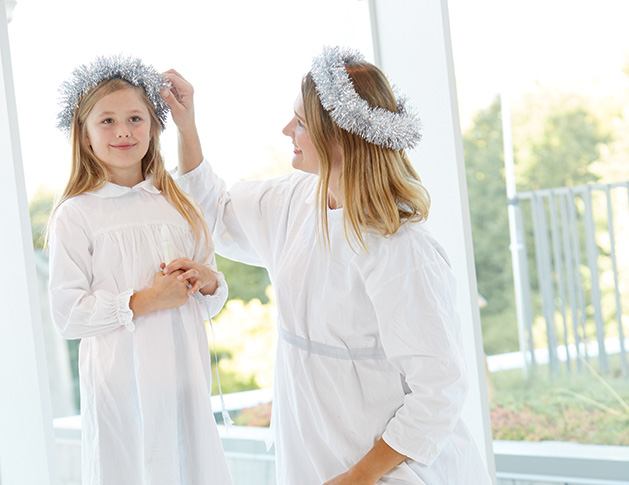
(369, 376)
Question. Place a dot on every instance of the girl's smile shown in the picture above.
(123, 147)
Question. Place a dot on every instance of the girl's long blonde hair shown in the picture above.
(380, 188)
(88, 173)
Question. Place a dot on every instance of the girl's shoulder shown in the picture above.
(69, 221)
(72, 205)
(78, 210)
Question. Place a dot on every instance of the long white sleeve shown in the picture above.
(77, 311)
(419, 328)
(249, 221)
(211, 194)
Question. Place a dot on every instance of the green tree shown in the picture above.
(557, 141)
(484, 160)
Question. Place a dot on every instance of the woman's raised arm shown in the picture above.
(180, 98)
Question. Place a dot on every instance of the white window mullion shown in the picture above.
(412, 45)
(27, 454)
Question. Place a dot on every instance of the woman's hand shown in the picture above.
(200, 277)
(372, 467)
(348, 478)
(180, 98)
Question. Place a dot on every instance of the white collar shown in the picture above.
(110, 189)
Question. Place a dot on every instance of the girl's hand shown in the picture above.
(167, 292)
(200, 277)
(180, 99)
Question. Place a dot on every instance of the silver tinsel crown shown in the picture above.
(86, 77)
(352, 113)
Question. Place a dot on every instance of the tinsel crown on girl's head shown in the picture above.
(87, 76)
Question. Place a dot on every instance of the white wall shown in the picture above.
(412, 45)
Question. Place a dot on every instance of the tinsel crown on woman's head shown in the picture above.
(395, 130)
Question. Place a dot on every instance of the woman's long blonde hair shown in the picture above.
(88, 173)
(380, 188)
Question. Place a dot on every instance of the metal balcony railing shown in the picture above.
(571, 273)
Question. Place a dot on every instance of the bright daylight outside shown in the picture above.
(549, 208)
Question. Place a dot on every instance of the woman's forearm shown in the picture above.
(378, 461)
(190, 152)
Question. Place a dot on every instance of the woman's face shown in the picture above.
(305, 156)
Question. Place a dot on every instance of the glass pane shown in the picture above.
(564, 84)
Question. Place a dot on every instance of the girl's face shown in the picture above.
(305, 158)
(119, 132)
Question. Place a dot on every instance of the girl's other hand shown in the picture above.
(169, 291)
(199, 277)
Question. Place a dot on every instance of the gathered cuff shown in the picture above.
(124, 313)
(215, 302)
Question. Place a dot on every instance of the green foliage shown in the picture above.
(557, 139)
(484, 159)
(245, 282)
(582, 408)
(245, 334)
(557, 142)
(39, 207)
(500, 331)
(232, 381)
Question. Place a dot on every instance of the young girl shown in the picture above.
(144, 361)
(369, 377)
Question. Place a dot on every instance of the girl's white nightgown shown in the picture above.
(369, 345)
(145, 382)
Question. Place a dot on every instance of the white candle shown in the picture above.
(167, 246)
